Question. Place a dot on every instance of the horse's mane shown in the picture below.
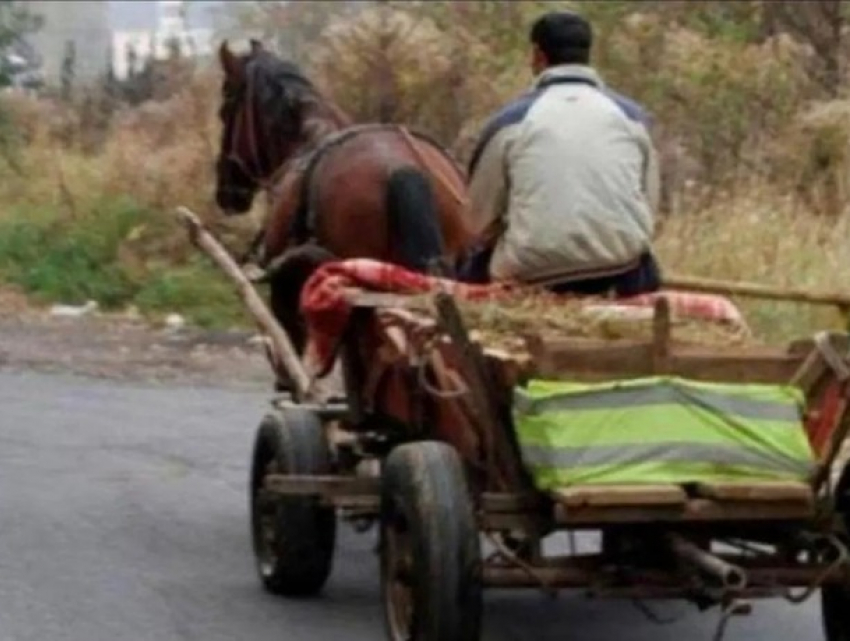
(284, 92)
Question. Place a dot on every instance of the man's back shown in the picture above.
(576, 164)
(564, 180)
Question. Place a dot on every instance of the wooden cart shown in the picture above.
(422, 445)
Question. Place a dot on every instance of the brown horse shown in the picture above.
(376, 191)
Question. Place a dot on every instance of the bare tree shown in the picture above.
(818, 23)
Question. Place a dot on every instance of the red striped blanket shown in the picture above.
(326, 308)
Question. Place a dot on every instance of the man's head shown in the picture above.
(559, 38)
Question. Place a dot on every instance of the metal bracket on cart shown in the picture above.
(330, 411)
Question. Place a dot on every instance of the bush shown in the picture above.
(750, 147)
(69, 259)
(74, 260)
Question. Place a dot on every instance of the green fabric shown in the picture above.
(660, 430)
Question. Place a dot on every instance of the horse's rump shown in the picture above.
(345, 180)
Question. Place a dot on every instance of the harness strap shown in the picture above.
(303, 226)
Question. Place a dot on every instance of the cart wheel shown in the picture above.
(835, 609)
(835, 597)
(293, 536)
(431, 555)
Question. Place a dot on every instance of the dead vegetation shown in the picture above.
(754, 143)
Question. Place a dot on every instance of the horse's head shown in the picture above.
(262, 115)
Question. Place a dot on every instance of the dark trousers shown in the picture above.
(644, 278)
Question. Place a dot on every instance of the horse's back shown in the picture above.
(351, 184)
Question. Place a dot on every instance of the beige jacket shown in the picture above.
(567, 178)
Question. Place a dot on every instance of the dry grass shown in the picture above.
(764, 237)
(746, 211)
(504, 322)
(89, 213)
(161, 156)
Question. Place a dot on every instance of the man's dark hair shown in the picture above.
(564, 37)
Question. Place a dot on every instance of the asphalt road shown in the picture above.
(123, 517)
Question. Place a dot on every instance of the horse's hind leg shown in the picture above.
(286, 281)
(284, 305)
(412, 214)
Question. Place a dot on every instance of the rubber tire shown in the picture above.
(835, 598)
(424, 483)
(835, 611)
(304, 531)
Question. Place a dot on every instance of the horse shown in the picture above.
(372, 190)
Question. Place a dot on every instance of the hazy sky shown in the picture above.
(141, 14)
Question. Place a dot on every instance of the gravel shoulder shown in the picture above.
(120, 347)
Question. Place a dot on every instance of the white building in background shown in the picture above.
(156, 44)
(81, 26)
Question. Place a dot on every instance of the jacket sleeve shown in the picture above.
(488, 187)
(651, 169)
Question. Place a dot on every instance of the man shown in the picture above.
(564, 180)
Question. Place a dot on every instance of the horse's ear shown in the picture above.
(256, 46)
(227, 59)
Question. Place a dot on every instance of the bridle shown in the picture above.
(244, 124)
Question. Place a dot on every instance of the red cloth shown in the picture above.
(326, 310)
(820, 425)
(692, 305)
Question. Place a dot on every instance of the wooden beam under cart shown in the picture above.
(653, 583)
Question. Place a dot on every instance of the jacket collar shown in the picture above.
(568, 73)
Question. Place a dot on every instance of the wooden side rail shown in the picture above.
(738, 502)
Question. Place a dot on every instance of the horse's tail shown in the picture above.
(412, 214)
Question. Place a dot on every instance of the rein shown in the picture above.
(245, 125)
(444, 181)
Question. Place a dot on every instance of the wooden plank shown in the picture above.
(598, 359)
(509, 502)
(322, 485)
(364, 504)
(694, 511)
(364, 298)
(583, 357)
(508, 370)
(620, 495)
(503, 467)
(769, 491)
(653, 583)
(661, 337)
(503, 521)
(748, 368)
(810, 373)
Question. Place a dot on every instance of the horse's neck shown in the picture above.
(319, 122)
(317, 129)
(341, 118)
(323, 122)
